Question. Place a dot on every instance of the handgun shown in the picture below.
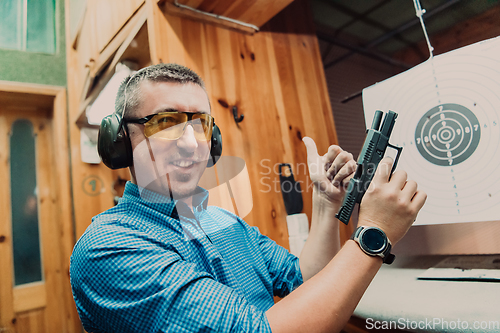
(376, 143)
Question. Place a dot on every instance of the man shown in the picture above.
(164, 261)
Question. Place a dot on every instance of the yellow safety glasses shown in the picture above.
(171, 125)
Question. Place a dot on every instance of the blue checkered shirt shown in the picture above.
(152, 265)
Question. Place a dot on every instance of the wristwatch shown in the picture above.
(374, 242)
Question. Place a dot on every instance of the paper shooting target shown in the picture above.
(449, 127)
(447, 134)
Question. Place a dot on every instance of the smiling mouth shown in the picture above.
(183, 164)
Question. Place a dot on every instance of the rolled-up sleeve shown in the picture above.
(133, 285)
(283, 266)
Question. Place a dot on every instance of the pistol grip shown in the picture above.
(345, 212)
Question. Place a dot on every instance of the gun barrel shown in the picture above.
(388, 124)
(377, 119)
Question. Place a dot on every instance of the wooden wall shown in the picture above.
(274, 77)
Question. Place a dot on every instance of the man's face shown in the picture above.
(161, 164)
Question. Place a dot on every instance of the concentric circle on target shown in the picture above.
(447, 134)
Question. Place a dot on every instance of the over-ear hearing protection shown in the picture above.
(115, 149)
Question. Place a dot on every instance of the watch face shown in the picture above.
(373, 240)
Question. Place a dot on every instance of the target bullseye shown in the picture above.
(447, 134)
(444, 134)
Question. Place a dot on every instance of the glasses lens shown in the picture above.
(202, 126)
(171, 125)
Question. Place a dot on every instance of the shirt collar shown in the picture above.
(161, 203)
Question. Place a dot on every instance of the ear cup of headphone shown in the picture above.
(216, 146)
(113, 143)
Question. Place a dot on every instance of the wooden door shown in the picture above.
(31, 276)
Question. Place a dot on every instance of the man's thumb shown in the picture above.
(312, 151)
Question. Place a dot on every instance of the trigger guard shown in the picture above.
(396, 160)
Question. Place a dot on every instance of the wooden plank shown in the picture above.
(29, 88)
(40, 103)
(287, 122)
(6, 255)
(30, 297)
(174, 46)
(28, 97)
(265, 120)
(290, 94)
(192, 33)
(79, 27)
(256, 12)
(280, 105)
(209, 5)
(130, 26)
(232, 9)
(85, 52)
(64, 208)
(32, 322)
(50, 226)
(225, 69)
(111, 17)
(154, 31)
(297, 53)
(191, 3)
(263, 11)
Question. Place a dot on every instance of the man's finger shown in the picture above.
(312, 150)
(332, 154)
(398, 179)
(383, 171)
(409, 190)
(345, 173)
(419, 199)
(337, 161)
(340, 160)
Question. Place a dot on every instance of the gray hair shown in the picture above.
(128, 96)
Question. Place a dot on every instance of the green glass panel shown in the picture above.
(24, 198)
(11, 24)
(41, 26)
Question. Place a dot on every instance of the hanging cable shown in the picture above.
(220, 17)
(420, 12)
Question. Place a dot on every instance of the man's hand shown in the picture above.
(330, 175)
(391, 203)
(331, 172)
(325, 302)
